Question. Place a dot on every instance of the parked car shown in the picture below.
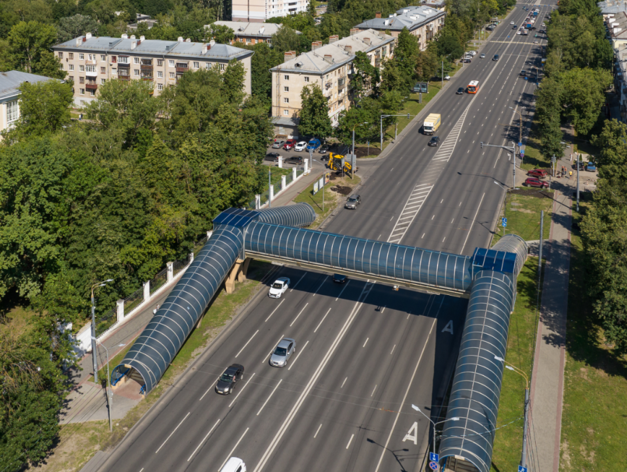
(273, 156)
(538, 173)
(523, 73)
(230, 377)
(301, 146)
(533, 182)
(472, 53)
(466, 60)
(582, 165)
(297, 160)
(461, 91)
(279, 287)
(434, 141)
(277, 144)
(289, 144)
(339, 278)
(283, 352)
(323, 149)
(447, 77)
(314, 143)
(591, 167)
(352, 202)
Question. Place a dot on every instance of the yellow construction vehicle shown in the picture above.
(335, 163)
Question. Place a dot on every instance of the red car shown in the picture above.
(533, 182)
(538, 173)
(289, 144)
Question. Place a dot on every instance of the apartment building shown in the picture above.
(422, 21)
(328, 66)
(260, 10)
(9, 95)
(90, 61)
(250, 33)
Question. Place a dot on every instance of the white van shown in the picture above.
(234, 464)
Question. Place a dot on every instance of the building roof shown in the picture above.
(314, 62)
(286, 120)
(10, 82)
(617, 25)
(242, 28)
(157, 47)
(612, 6)
(410, 17)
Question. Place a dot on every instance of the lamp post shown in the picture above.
(108, 388)
(578, 182)
(511, 149)
(94, 347)
(455, 418)
(508, 366)
(387, 116)
(269, 185)
(521, 124)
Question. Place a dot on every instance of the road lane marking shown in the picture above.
(413, 205)
(444, 239)
(345, 285)
(314, 378)
(394, 347)
(296, 284)
(441, 200)
(297, 315)
(233, 450)
(320, 286)
(375, 387)
(318, 430)
(209, 389)
(398, 413)
(268, 399)
(241, 390)
(270, 353)
(275, 310)
(297, 355)
(350, 440)
(432, 217)
(471, 224)
(251, 338)
(203, 440)
(325, 315)
(344, 382)
(365, 343)
(166, 439)
(423, 235)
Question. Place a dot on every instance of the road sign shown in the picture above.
(434, 465)
(522, 151)
(433, 457)
(504, 222)
(519, 144)
(522, 469)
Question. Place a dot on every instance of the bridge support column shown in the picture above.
(237, 274)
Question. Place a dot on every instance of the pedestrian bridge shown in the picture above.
(487, 278)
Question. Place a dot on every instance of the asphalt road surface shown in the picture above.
(364, 352)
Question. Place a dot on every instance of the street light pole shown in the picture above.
(455, 418)
(387, 116)
(508, 366)
(94, 346)
(269, 185)
(521, 124)
(577, 182)
(511, 149)
(108, 387)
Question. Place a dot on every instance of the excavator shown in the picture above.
(336, 161)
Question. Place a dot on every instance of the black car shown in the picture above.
(229, 378)
(273, 156)
(460, 91)
(339, 279)
(323, 149)
(466, 60)
(496, 56)
(523, 73)
(435, 141)
(352, 202)
(294, 160)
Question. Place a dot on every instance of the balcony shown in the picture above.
(91, 73)
(181, 68)
(91, 86)
(146, 67)
(146, 77)
(124, 65)
(124, 77)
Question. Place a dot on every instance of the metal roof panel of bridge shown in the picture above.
(235, 217)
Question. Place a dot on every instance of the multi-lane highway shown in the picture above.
(365, 353)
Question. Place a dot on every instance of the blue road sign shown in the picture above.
(522, 151)
(504, 222)
(433, 465)
(433, 457)
(522, 469)
(519, 144)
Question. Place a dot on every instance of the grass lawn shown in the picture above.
(594, 416)
(533, 158)
(520, 346)
(79, 442)
(523, 215)
(331, 198)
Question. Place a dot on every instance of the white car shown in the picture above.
(512, 23)
(301, 146)
(447, 77)
(482, 56)
(472, 53)
(519, 32)
(279, 287)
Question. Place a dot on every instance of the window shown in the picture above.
(159, 62)
(103, 70)
(196, 65)
(70, 66)
(92, 93)
(136, 72)
(159, 86)
(71, 54)
(222, 67)
(60, 55)
(286, 89)
(136, 60)
(81, 80)
(102, 81)
(160, 74)
(306, 79)
(286, 100)
(91, 68)
(286, 112)
(82, 91)
(114, 59)
(171, 63)
(92, 57)
(172, 75)
(286, 77)
(81, 68)
(248, 40)
(103, 58)
(81, 57)
(13, 111)
(123, 60)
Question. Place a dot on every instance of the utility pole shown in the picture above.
(94, 346)
(269, 185)
(387, 116)
(108, 389)
(577, 182)
(442, 73)
(511, 149)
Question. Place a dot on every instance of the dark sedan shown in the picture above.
(532, 182)
(273, 156)
(294, 160)
(339, 278)
(352, 202)
(229, 378)
(435, 141)
(460, 91)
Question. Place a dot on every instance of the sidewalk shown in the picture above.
(547, 385)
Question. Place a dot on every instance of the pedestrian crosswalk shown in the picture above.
(411, 209)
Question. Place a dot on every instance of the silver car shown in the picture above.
(283, 351)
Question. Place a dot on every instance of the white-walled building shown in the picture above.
(261, 10)
(9, 95)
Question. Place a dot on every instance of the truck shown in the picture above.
(431, 124)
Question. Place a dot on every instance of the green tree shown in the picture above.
(428, 64)
(548, 107)
(222, 34)
(286, 39)
(74, 26)
(366, 77)
(29, 45)
(583, 95)
(264, 59)
(406, 57)
(314, 113)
